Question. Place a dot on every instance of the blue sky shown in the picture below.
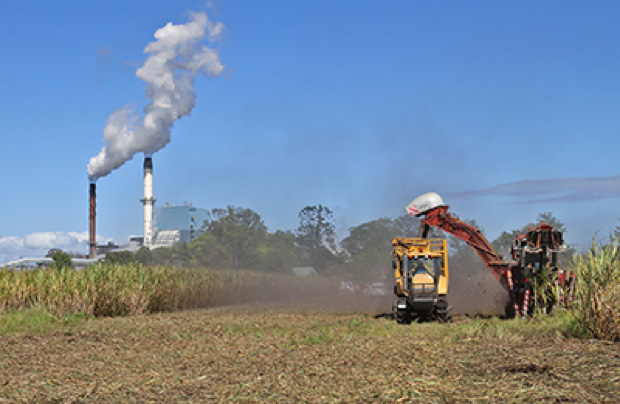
(506, 109)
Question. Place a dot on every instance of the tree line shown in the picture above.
(237, 238)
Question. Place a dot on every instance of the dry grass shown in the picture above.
(248, 355)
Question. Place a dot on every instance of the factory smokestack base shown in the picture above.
(148, 201)
(92, 243)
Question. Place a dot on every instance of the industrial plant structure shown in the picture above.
(178, 223)
(163, 226)
(148, 201)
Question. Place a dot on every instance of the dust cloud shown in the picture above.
(314, 295)
(474, 291)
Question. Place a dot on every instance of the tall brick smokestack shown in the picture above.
(148, 201)
(92, 213)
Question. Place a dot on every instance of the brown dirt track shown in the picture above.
(303, 352)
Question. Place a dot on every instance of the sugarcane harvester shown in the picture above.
(534, 257)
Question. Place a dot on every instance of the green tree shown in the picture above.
(206, 251)
(120, 257)
(369, 247)
(316, 237)
(143, 256)
(237, 232)
(316, 228)
(61, 259)
(176, 255)
(279, 253)
(375, 236)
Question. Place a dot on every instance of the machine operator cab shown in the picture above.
(425, 264)
(424, 272)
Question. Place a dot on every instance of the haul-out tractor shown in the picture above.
(421, 271)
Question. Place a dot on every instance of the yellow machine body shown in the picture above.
(421, 277)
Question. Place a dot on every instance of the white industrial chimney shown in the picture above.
(148, 201)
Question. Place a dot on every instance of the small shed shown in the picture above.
(304, 271)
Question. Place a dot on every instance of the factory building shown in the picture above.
(177, 224)
(163, 226)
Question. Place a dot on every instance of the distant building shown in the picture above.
(103, 249)
(304, 271)
(40, 262)
(177, 224)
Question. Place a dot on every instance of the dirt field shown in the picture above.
(305, 353)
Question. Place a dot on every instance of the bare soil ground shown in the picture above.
(330, 349)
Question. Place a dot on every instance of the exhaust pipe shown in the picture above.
(92, 213)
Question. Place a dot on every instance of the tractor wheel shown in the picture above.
(403, 317)
(403, 314)
(509, 309)
(443, 311)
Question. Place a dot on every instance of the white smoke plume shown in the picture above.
(176, 57)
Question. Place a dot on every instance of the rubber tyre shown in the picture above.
(403, 317)
(443, 311)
